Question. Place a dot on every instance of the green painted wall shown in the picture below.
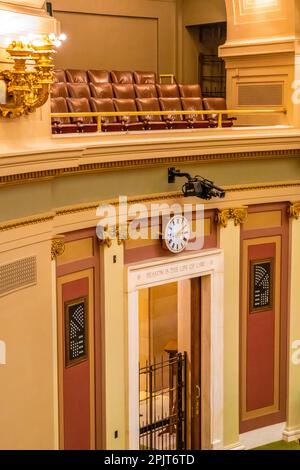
(23, 200)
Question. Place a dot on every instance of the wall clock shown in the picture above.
(177, 233)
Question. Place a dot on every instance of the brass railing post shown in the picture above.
(99, 123)
(220, 120)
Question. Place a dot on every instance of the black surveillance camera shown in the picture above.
(196, 186)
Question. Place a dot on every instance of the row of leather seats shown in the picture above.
(86, 91)
(103, 76)
(124, 122)
(124, 91)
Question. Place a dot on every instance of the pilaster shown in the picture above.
(229, 237)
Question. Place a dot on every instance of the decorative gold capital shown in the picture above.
(294, 210)
(238, 215)
(57, 246)
(112, 233)
(222, 217)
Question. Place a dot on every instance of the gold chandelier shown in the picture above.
(28, 82)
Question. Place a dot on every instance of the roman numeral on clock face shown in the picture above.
(177, 234)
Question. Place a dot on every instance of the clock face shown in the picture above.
(177, 234)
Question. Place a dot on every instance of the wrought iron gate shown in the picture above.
(163, 404)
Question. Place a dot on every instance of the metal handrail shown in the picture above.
(219, 113)
(167, 75)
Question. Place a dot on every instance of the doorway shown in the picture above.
(163, 370)
(175, 314)
(170, 358)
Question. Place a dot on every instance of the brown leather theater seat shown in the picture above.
(218, 104)
(121, 77)
(124, 91)
(59, 90)
(81, 105)
(76, 76)
(195, 121)
(79, 90)
(190, 91)
(108, 123)
(59, 76)
(98, 76)
(152, 122)
(130, 123)
(144, 78)
(173, 121)
(167, 90)
(132, 91)
(61, 125)
(145, 91)
(102, 90)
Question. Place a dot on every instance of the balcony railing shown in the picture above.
(219, 113)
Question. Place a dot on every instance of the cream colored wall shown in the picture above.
(28, 406)
(229, 238)
(126, 34)
(260, 50)
(199, 12)
(293, 411)
(115, 346)
(260, 20)
(163, 318)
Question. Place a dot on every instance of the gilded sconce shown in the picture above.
(29, 80)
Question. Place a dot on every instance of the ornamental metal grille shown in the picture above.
(18, 274)
(163, 404)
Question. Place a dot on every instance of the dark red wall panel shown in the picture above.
(76, 386)
(263, 330)
(260, 344)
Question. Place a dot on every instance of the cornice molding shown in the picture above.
(26, 221)
(134, 164)
(238, 214)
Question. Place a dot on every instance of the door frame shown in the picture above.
(208, 263)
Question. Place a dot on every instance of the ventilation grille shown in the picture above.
(260, 95)
(19, 274)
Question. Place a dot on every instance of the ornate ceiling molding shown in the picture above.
(139, 163)
(26, 221)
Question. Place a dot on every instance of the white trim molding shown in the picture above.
(263, 436)
(237, 446)
(290, 435)
(175, 269)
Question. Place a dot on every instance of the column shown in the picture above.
(229, 237)
(292, 431)
(115, 346)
